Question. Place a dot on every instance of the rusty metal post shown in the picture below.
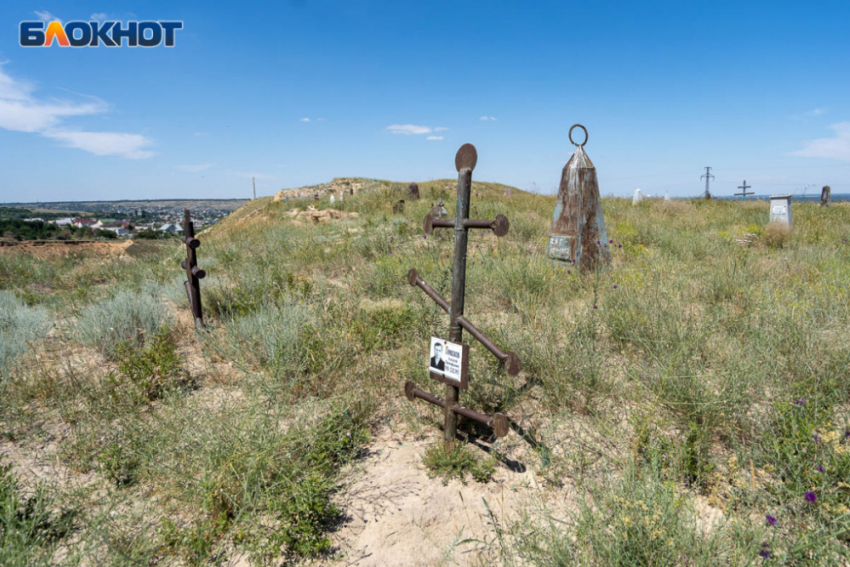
(465, 161)
(413, 192)
(578, 226)
(194, 274)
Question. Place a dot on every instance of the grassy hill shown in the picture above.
(688, 406)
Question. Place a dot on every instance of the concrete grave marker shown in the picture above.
(780, 209)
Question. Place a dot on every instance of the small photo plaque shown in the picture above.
(448, 362)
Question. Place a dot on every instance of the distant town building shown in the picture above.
(171, 228)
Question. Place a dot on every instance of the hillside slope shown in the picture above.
(689, 406)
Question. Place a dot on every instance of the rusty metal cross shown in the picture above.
(194, 274)
(465, 162)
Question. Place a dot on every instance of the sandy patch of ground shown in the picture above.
(400, 516)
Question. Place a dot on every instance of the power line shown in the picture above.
(708, 176)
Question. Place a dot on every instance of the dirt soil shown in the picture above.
(399, 515)
(55, 249)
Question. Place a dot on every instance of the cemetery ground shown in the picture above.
(688, 406)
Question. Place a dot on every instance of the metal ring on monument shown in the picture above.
(581, 145)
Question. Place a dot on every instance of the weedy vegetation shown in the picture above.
(693, 400)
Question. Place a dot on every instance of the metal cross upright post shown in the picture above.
(743, 189)
(465, 162)
(194, 274)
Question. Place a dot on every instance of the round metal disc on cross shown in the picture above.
(512, 364)
(466, 157)
(408, 390)
(412, 276)
(581, 145)
(501, 225)
(428, 224)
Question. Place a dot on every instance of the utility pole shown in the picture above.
(254, 183)
(708, 176)
(743, 189)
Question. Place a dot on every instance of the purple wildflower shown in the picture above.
(568, 271)
(615, 286)
(598, 242)
(810, 496)
(847, 433)
(405, 224)
(770, 520)
(391, 250)
(765, 553)
(820, 468)
(800, 402)
(816, 438)
(610, 242)
(595, 307)
(424, 236)
(619, 246)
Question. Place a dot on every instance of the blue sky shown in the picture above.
(299, 92)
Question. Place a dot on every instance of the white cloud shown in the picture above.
(99, 16)
(46, 16)
(104, 143)
(434, 138)
(493, 118)
(321, 119)
(20, 111)
(195, 168)
(305, 120)
(408, 129)
(837, 147)
(440, 129)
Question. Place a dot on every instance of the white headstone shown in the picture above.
(332, 199)
(780, 209)
(340, 196)
(638, 197)
(667, 196)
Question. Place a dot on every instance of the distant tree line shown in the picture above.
(17, 229)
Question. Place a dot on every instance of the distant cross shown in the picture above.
(743, 189)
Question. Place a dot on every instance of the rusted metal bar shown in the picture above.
(416, 281)
(431, 222)
(500, 224)
(193, 273)
(510, 358)
(498, 422)
(191, 242)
